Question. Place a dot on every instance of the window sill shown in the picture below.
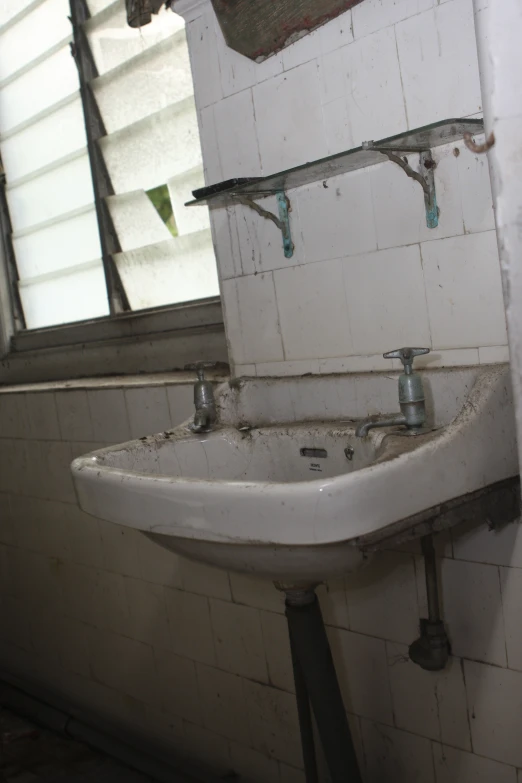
(152, 341)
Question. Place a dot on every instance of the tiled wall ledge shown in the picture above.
(112, 382)
(374, 363)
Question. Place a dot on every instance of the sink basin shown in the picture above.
(283, 488)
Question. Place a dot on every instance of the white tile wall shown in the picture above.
(370, 73)
(199, 660)
(236, 136)
(495, 701)
(294, 98)
(253, 326)
(438, 61)
(456, 766)
(392, 281)
(464, 313)
(313, 315)
(432, 704)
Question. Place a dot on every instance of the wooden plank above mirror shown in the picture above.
(259, 28)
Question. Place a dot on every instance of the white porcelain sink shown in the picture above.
(283, 487)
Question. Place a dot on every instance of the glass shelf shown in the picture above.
(419, 140)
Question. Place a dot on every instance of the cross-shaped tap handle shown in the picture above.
(200, 367)
(406, 355)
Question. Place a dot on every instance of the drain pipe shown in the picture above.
(498, 31)
(16, 696)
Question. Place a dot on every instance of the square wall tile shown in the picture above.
(456, 766)
(179, 686)
(204, 580)
(237, 71)
(393, 755)
(475, 188)
(366, 74)
(511, 585)
(495, 706)
(373, 15)
(125, 665)
(277, 649)
(400, 213)
(251, 765)
(251, 591)
(382, 598)
(204, 60)
(431, 704)
(386, 300)
(336, 217)
(479, 544)
(273, 722)
(148, 621)
(464, 291)
(224, 703)
(148, 410)
(120, 549)
(472, 610)
(212, 168)
(338, 129)
(366, 693)
(289, 120)
(313, 312)
(109, 415)
(252, 319)
(439, 43)
(14, 421)
(206, 747)
(239, 640)
(229, 265)
(74, 415)
(42, 416)
(181, 403)
(237, 131)
(190, 627)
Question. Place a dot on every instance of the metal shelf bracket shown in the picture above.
(426, 180)
(282, 222)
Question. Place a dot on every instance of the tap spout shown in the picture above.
(204, 419)
(365, 426)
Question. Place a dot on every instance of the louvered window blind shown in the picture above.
(144, 93)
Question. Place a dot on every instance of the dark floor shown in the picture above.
(29, 754)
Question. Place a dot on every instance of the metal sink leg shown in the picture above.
(317, 687)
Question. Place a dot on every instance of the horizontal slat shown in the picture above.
(113, 42)
(179, 270)
(145, 84)
(52, 195)
(69, 215)
(55, 136)
(52, 80)
(59, 246)
(180, 189)
(150, 152)
(11, 12)
(36, 33)
(136, 220)
(73, 297)
(96, 6)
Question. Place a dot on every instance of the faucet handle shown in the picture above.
(200, 367)
(406, 355)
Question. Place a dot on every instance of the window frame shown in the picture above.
(158, 339)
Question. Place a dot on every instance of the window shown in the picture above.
(97, 222)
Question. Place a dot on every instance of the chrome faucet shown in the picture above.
(204, 401)
(411, 396)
